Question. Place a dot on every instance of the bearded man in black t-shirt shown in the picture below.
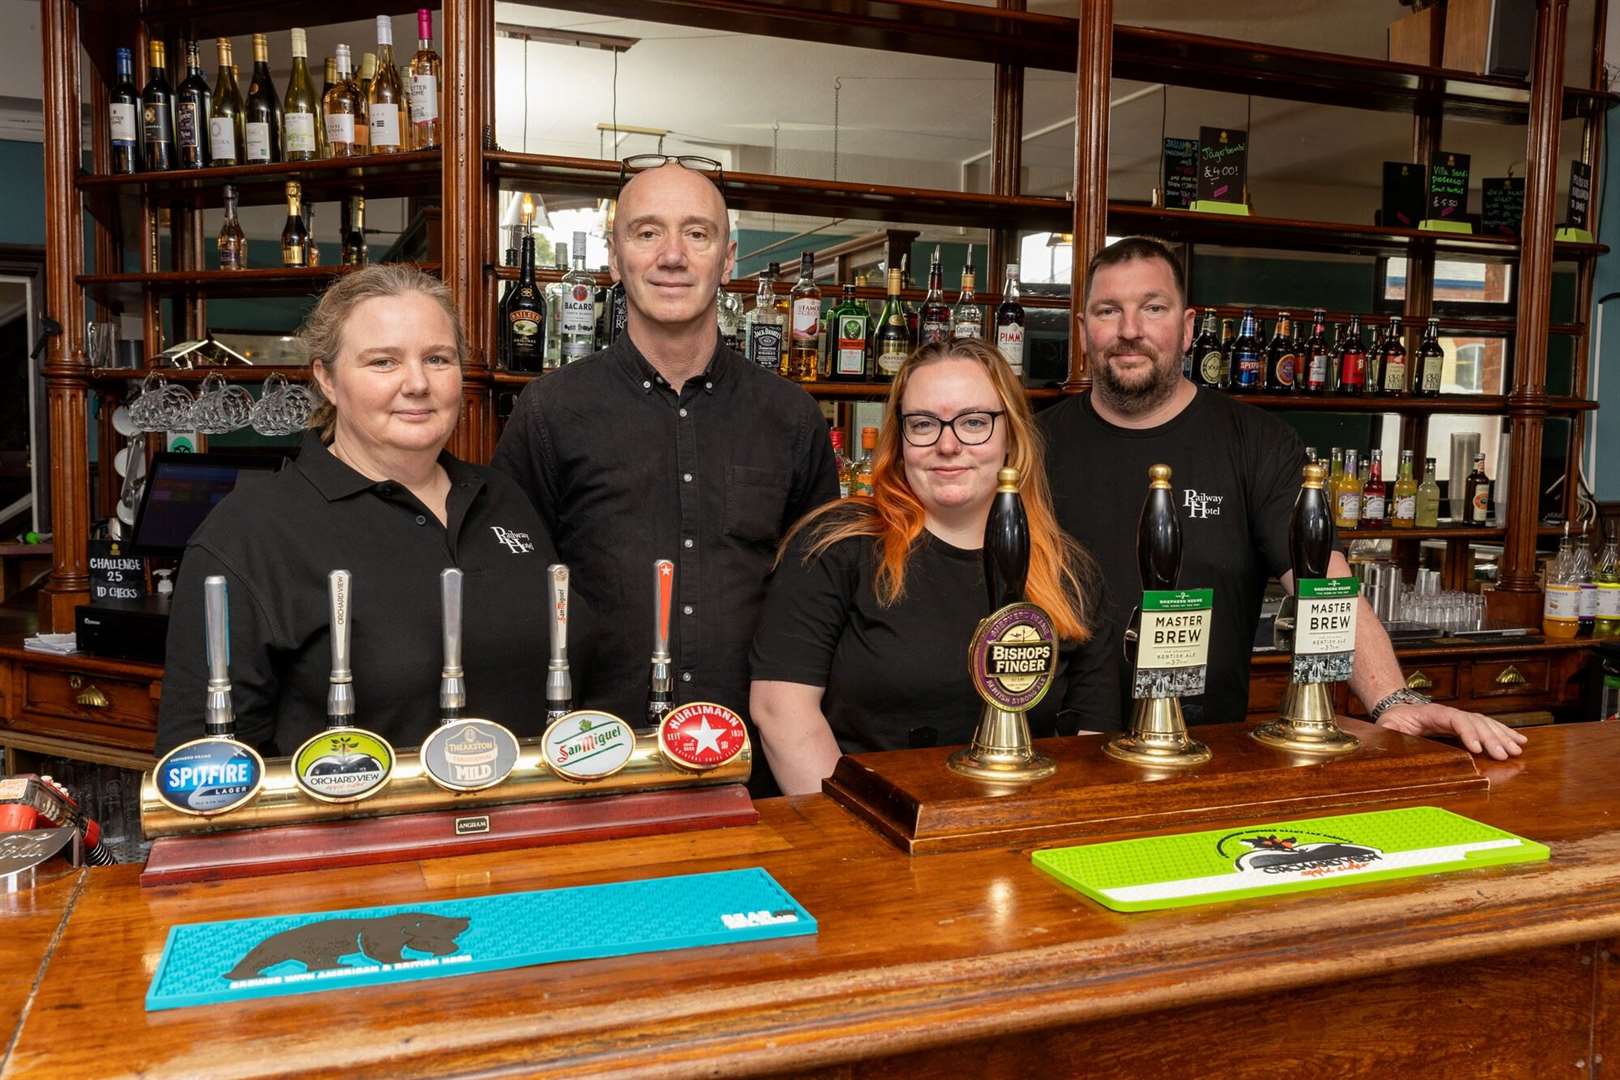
(1236, 471)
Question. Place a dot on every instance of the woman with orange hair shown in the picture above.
(863, 642)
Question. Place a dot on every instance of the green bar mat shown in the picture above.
(207, 963)
(1283, 857)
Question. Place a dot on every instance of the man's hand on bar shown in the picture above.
(1480, 734)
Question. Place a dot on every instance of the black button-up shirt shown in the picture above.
(625, 471)
(275, 538)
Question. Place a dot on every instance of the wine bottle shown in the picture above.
(300, 112)
(386, 98)
(936, 314)
(193, 105)
(1431, 362)
(261, 126)
(425, 75)
(893, 335)
(295, 242)
(341, 109)
(328, 80)
(123, 108)
(523, 318)
(157, 112)
(225, 118)
(232, 243)
(1010, 323)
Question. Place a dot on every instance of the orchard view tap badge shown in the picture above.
(701, 736)
(343, 763)
(1013, 656)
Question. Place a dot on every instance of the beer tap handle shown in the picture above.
(661, 685)
(1006, 543)
(452, 679)
(340, 685)
(219, 719)
(559, 684)
(1158, 533)
(1310, 532)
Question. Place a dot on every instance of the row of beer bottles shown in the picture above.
(1230, 354)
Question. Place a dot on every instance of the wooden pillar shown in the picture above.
(1093, 75)
(1516, 600)
(65, 381)
(469, 45)
(1006, 160)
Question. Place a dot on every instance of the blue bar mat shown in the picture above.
(207, 963)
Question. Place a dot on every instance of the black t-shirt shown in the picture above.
(275, 539)
(897, 677)
(1236, 474)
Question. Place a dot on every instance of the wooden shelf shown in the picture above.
(1406, 406)
(1450, 325)
(1246, 67)
(1255, 231)
(799, 195)
(1444, 532)
(115, 199)
(268, 281)
(831, 391)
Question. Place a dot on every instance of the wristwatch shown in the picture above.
(1403, 696)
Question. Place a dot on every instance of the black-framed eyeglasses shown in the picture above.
(635, 163)
(970, 428)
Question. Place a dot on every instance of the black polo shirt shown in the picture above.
(275, 538)
(625, 471)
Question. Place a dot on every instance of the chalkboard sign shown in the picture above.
(1180, 173)
(1404, 190)
(1448, 188)
(1580, 195)
(114, 574)
(1223, 165)
(1502, 205)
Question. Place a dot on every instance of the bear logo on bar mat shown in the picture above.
(320, 946)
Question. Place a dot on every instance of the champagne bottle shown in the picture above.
(353, 227)
(261, 126)
(425, 75)
(124, 109)
(295, 239)
(157, 112)
(341, 108)
(893, 336)
(193, 105)
(387, 97)
(299, 113)
(225, 118)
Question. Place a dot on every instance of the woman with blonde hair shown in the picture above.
(374, 492)
(863, 642)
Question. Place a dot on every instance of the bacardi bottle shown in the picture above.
(578, 307)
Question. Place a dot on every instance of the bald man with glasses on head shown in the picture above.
(667, 445)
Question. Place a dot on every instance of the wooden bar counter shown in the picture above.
(963, 965)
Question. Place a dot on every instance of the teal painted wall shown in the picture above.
(22, 212)
(1605, 423)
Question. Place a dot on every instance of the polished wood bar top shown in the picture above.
(29, 923)
(912, 954)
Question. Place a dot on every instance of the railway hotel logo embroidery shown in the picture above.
(518, 543)
(1200, 505)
